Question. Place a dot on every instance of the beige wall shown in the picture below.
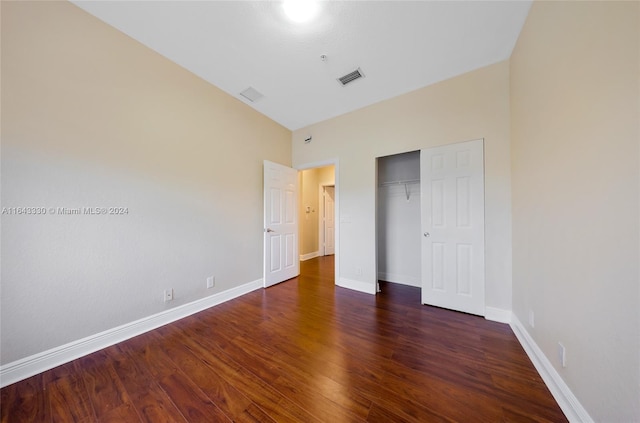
(575, 136)
(92, 118)
(326, 175)
(471, 106)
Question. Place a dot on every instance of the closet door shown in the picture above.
(452, 218)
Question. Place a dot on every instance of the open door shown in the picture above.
(452, 191)
(328, 219)
(281, 261)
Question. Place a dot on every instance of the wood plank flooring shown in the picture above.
(301, 351)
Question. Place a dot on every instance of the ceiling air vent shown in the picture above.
(351, 76)
(251, 94)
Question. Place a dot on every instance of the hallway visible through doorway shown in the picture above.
(317, 223)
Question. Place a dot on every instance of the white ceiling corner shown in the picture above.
(399, 45)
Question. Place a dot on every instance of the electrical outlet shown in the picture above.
(562, 354)
(211, 281)
(168, 295)
(531, 319)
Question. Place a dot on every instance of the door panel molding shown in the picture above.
(452, 219)
(281, 261)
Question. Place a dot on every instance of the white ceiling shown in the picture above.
(399, 45)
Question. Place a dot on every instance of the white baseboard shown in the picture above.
(401, 279)
(497, 314)
(367, 288)
(569, 404)
(46, 360)
(305, 257)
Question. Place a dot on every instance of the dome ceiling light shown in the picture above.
(300, 10)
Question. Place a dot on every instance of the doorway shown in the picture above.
(318, 211)
(290, 212)
(398, 219)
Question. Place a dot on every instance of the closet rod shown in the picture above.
(405, 182)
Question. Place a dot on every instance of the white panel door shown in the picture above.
(329, 220)
(452, 191)
(281, 261)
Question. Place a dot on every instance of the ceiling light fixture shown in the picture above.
(300, 10)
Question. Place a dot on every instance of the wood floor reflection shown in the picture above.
(301, 351)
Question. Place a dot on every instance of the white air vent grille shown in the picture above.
(351, 76)
(251, 94)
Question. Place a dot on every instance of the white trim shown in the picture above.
(320, 163)
(497, 314)
(305, 257)
(569, 404)
(401, 279)
(46, 360)
(365, 287)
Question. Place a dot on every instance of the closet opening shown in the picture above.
(398, 219)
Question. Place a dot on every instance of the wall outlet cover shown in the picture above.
(562, 355)
(168, 295)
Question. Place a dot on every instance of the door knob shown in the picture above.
(269, 230)
(427, 234)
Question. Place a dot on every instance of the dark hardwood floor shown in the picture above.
(301, 351)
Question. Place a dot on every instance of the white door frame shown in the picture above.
(336, 166)
(321, 229)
